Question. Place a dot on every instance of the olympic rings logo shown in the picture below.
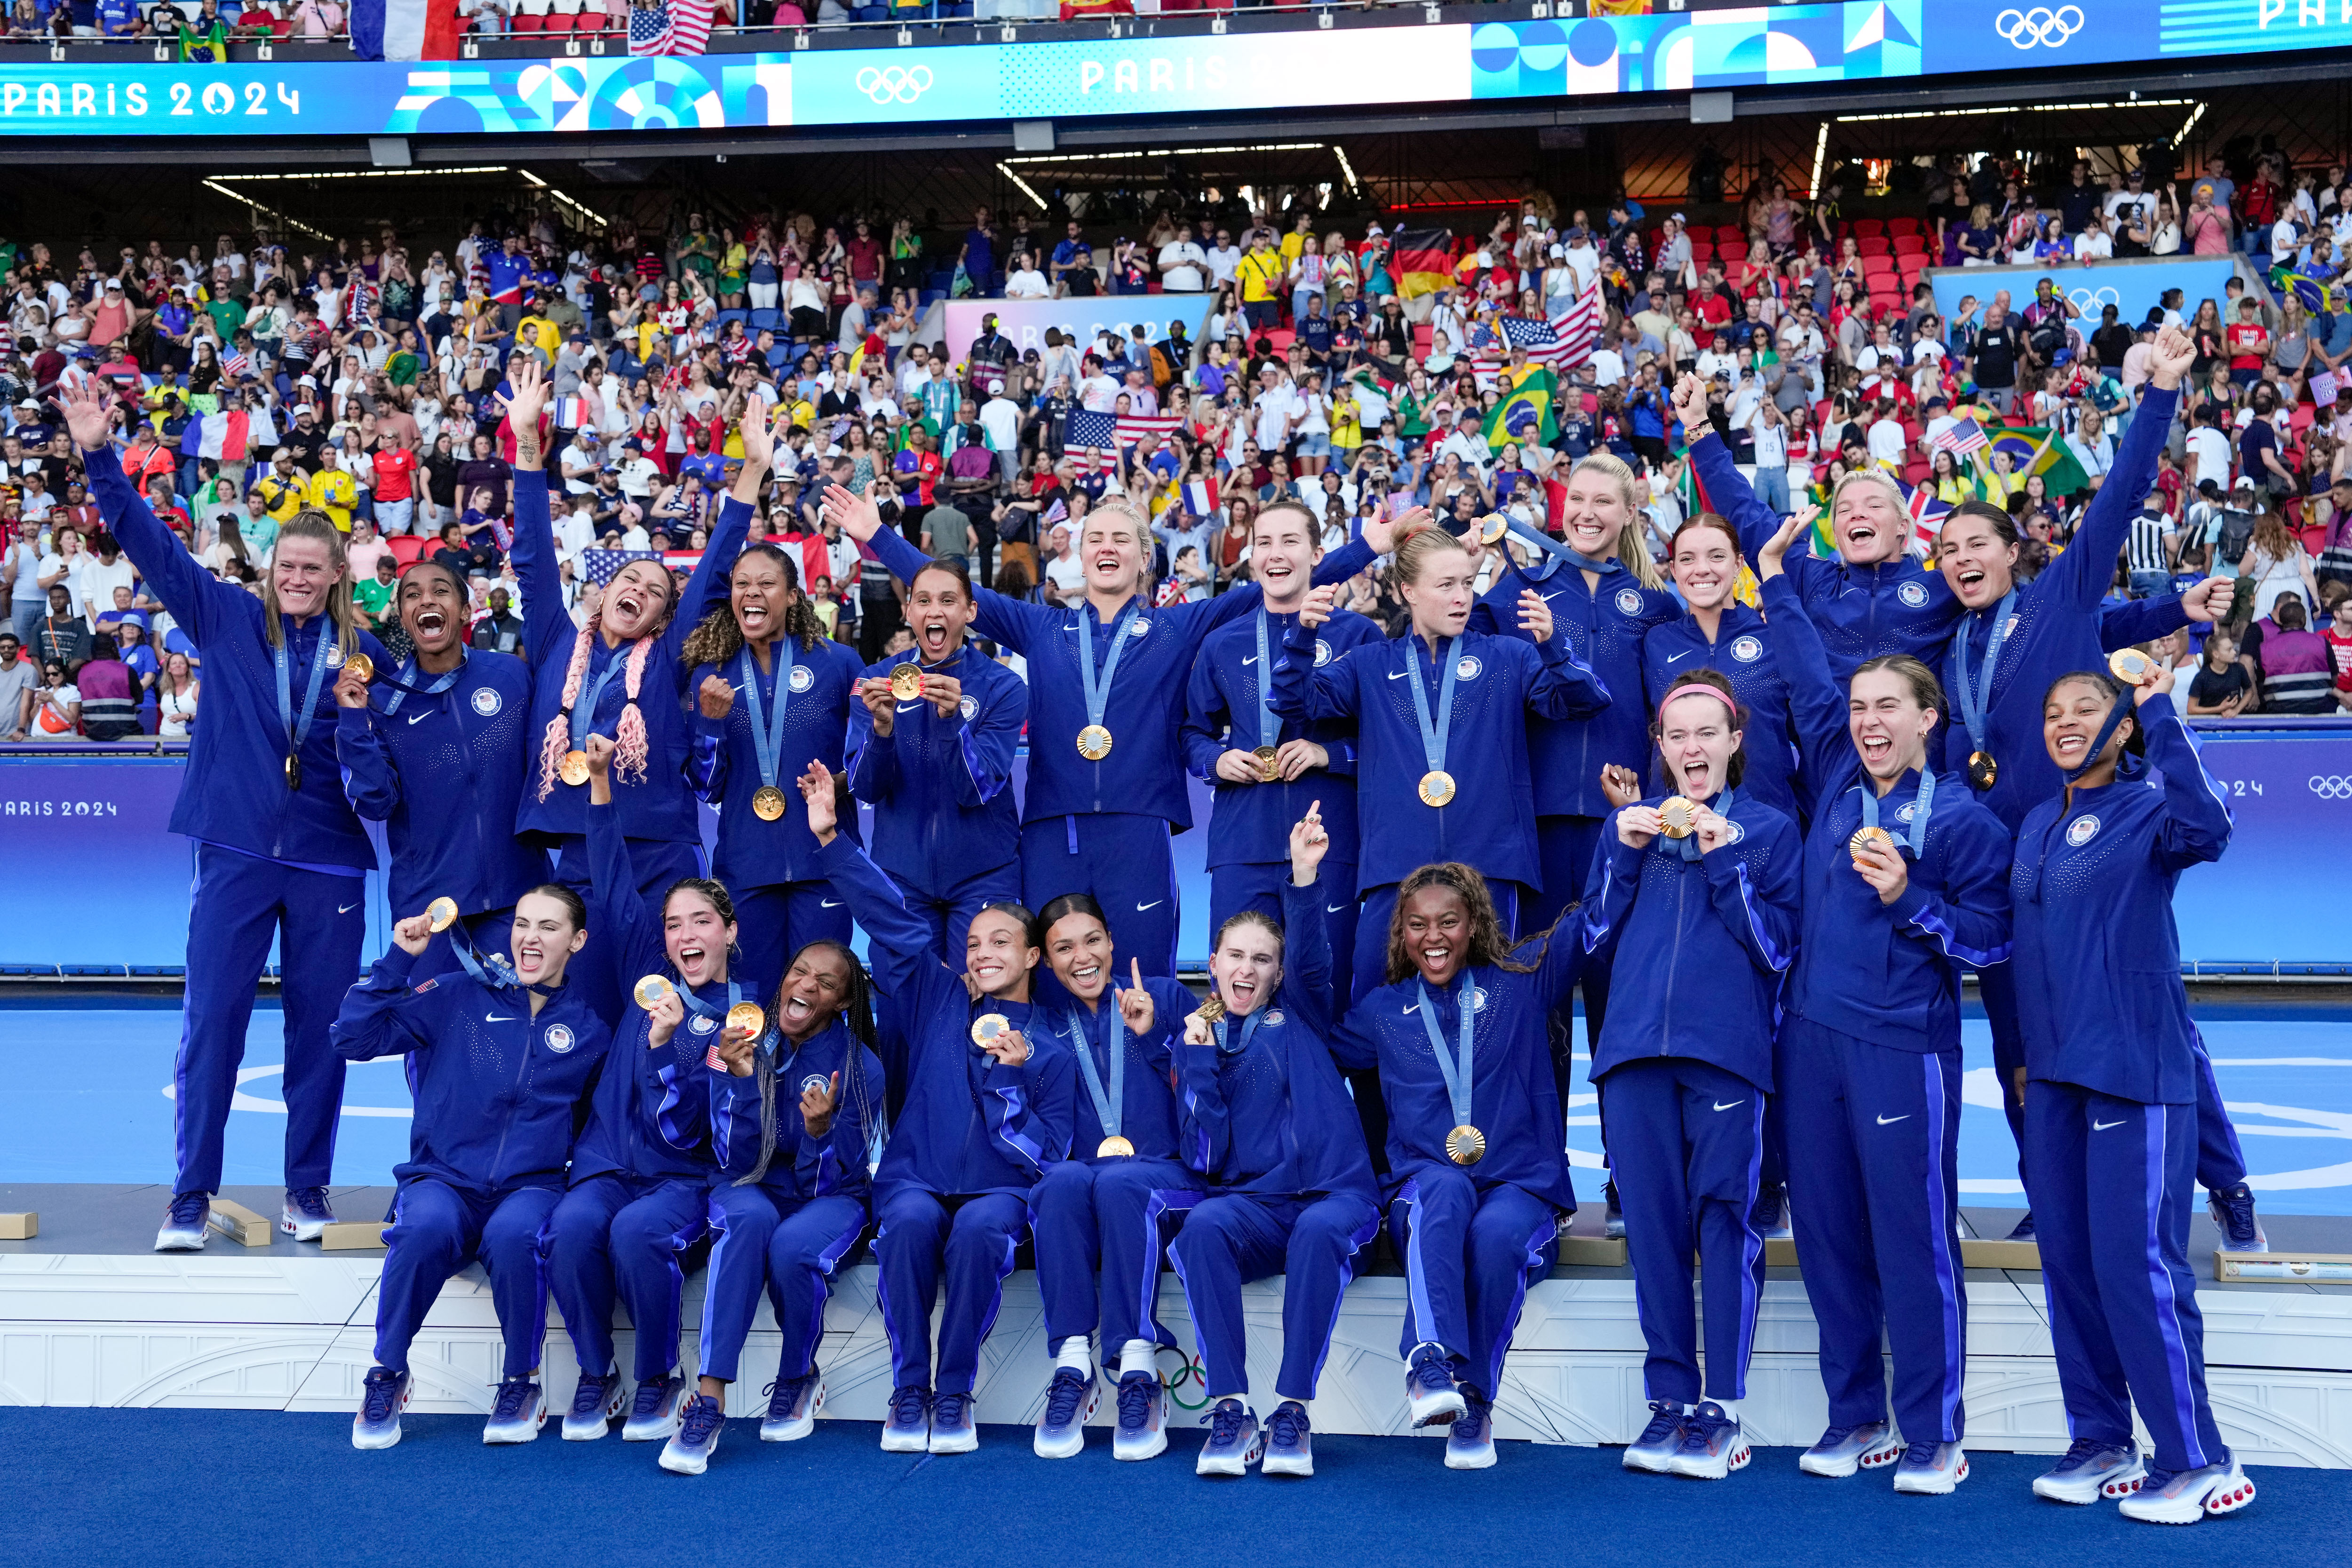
(2331, 786)
(891, 83)
(2089, 300)
(2038, 26)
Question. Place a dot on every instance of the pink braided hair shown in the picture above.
(629, 735)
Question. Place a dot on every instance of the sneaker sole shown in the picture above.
(1073, 1443)
(2180, 1510)
(1649, 1463)
(1300, 1468)
(368, 1444)
(1237, 1464)
(1715, 1468)
(793, 1431)
(1483, 1459)
(1938, 1486)
(957, 1443)
(180, 1244)
(1869, 1459)
(683, 1464)
(905, 1442)
(1135, 1451)
(1441, 1411)
(2081, 1493)
(307, 1230)
(651, 1432)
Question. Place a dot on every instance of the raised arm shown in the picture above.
(547, 625)
(1969, 921)
(898, 942)
(1032, 1109)
(1201, 734)
(1302, 691)
(382, 1016)
(2082, 573)
(1815, 704)
(194, 597)
(2197, 821)
(1610, 889)
(371, 782)
(615, 909)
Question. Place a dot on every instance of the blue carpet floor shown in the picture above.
(95, 1488)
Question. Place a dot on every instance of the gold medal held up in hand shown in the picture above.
(1114, 1148)
(362, 666)
(1212, 1009)
(747, 1017)
(1094, 742)
(441, 914)
(1865, 838)
(768, 803)
(1983, 772)
(907, 682)
(2132, 666)
(1268, 768)
(574, 768)
(1466, 1145)
(650, 991)
(1677, 816)
(1491, 527)
(1436, 787)
(987, 1026)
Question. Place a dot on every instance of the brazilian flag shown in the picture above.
(2038, 451)
(1525, 409)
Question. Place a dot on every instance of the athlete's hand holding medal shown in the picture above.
(881, 701)
(663, 1018)
(1880, 863)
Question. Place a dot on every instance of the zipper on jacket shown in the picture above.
(523, 1070)
(1674, 963)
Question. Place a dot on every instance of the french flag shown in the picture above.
(224, 436)
(404, 29)
(1201, 497)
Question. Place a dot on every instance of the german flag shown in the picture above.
(1423, 261)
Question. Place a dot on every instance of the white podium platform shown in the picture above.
(102, 1321)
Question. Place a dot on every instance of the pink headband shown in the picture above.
(1701, 687)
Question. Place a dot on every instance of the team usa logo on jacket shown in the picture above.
(2081, 830)
(1142, 624)
(1468, 668)
(813, 1081)
(1906, 811)
(1746, 650)
(1322, 653)
(969, 708)
(803, 677)
(558, 1039)
(1274, 1017)
(334, 656)
(1912, 593)
(703, 1024)
(486, 701)
(1629, 603)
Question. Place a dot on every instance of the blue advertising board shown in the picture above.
(2133, 287)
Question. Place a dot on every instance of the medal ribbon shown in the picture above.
(1249, 1027)
(1687, 845)
(1269, 726)
(299, 731)
(588, 696)
(701, 1009)
(768, 734)
(486, 969)
(401, 688)
(1973, 698)
(1111, 1109)
(1433, 732)
(1098, 687)
(1456, 1075)
(1558, 550)
(1916, 843)
(2123, 709)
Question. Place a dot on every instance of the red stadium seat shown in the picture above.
(404, 547)
(1868, 227)
(1910, 244)
(592, 23)
(523, 22)
(1905, 226)
(556, 21)
(1875, 247)
(1732, 254)
(1729, 232)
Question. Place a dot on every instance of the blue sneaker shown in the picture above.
(381, 1399)
(1431, 1397)
(1142, 1431)
(184, 1222)
(1713, 1445)
(1931, 1469)
(2184, 1497)
(1845, 1449)
(519, 1411)
(793, 1404)
(953, 1431)
(2092, 1469)
(1470, 1446)
(305, 1215)
(1653, 1450)
(654, 1414)
(1234, 1441)
(1069, 1400)
(595, 1403)
(2233, 1211)
(907, 1429)
(1289, 1443)
(687, 1453)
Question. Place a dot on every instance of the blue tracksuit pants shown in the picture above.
(775, 921)
(241, 902)
(1258, 887)
(2113, 1185)
(437, 1229)
(1685, 1145)
(1126, 863)
(1109, 1219)
(1232, 1239)
(1564, 847)
(918, 1235)
(615, 1234)
(1468, 1251)
(1874, 1154)
(762, 1238)
(950, 915)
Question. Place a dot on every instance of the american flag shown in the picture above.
(1961, 437)
(1089, 439)
(1132, 428)
(238, 366)
(601, 564)
(1578, 328)
(670, 27)
(360, 305)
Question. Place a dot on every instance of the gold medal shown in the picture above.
(747, 1017)
(362, 665)
(1864, 837)
(441, 914)
(650, 991)
(987, 1026)
(1269, 770)
(1983, 772)
(1436, 787)
(1094, 742)
(1677, 816)
(768, 803)
(1491, 527)
(293, 771)
(1466, 1145)
(907, 682)
(2132, 666)
(1114, 1148)
(574, 768)
(1212, 1009)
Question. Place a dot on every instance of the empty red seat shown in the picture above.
(1908, 245)
(1869, 248)
(1868, 227)
(404, 547)
(523, 22)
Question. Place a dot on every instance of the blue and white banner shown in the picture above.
(2133, 287)
(1025, 321)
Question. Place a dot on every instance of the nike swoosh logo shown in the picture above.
(1153, 905)
(828, 903)
(2102, 1126)
(345, 908)
(1672, 657)
(1891, 1120)
(500, 1017)
(1414, 1007)
(1333, 909)
(1250, 660)
(1733, 1106)
(1399, 673)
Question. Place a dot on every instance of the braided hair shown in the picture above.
(630, 744)
(1487, 942)
(719, 638)
(856, 1015)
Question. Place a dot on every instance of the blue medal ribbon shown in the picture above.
(768, 732)
(299, 729)
(1249, 1027)
(1435, 731)
(1457, 1074)
(1109, 1108)
(1098, 687)
(701, 1009)
(1971, 697)
(1926, 802)
(1269, 725)
(408, 673)
(487, 969)
(589, 695)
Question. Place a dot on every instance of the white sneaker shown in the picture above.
(652, 1416)
(1713, 1445)
(2188, 1496)
(520, 1413)
(305, 1215)
(1845, 1449)
(2090, 1470)
(793, 1404)
(184, 1222)
(594, 1402)
(1931, 1469)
